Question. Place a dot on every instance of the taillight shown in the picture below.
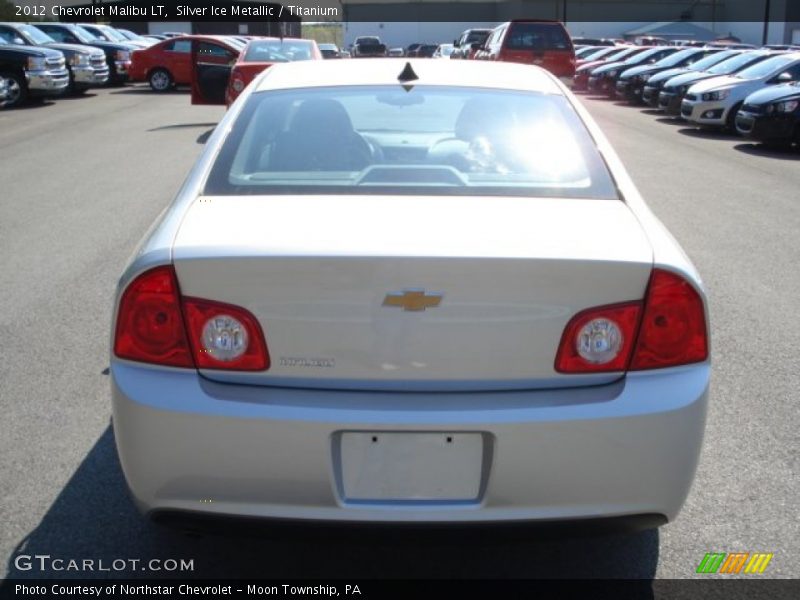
(155, 325)
(667, 330)
(237, 82)
(673, 330)
(225, 336)
(599, 339)
(149, 323)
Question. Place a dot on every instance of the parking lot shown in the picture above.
(83, 178)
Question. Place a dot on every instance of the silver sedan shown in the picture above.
(409, 291)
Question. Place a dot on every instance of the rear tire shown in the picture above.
(160, 80)
(17, 89)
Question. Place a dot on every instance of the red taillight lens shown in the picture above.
(673, 330)
(151, 328)
(599, 339)
(149, 324)
(225, 336)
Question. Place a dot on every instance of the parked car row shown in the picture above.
(755, 93)
(30, 72)
(50, 59)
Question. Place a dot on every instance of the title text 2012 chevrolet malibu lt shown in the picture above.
(409, 292)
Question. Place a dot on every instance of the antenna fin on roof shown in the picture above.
(407, 74)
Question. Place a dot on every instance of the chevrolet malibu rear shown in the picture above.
(375, 300)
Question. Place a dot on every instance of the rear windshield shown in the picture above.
(537, 36)
(430, 140)
(278, 51)
(477, 36)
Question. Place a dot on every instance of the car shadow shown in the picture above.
(93, 517)
(76, 96)
(30, 105)
(183, 126)
(651, 111)
(147, 91)
(203, 137)
(707, 133)
(672, 121)
(754, 149)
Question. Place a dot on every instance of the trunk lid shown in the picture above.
(316, 272)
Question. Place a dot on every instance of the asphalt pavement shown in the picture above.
(82, 179)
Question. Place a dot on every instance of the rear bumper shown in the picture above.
(627, 448)
(232, 524)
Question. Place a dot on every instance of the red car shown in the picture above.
(169, 63)
(261, 54)
(543, 43)
(215, 84)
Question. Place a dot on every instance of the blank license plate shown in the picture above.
(411, 466)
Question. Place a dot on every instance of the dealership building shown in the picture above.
(402, 22)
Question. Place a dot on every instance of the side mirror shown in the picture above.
(784, 77)
(456, 44)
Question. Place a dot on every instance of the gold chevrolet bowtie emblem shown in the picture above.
(413, 300)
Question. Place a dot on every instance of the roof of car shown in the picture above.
(385, 71)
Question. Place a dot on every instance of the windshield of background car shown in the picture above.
(622, 54)
(766, 67)
(643, 56)
(712, 59)
(430, 140)
(85, 35)
(597, 54)
(732, 65)
(537, 36)
(278, 51)
(677, 57)
(112, 34)
(37, 35)
(234, 43)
